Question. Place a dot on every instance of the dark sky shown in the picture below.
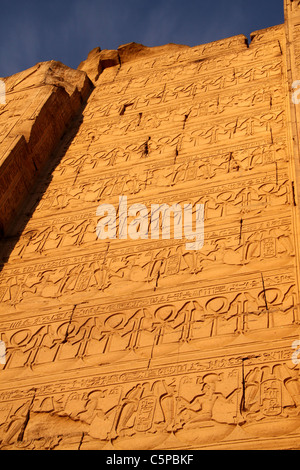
(32, 31)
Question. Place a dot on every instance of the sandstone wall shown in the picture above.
(40, 104)
(142, 344)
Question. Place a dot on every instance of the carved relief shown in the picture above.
(152, 331)
(197, 409)
(142, 344)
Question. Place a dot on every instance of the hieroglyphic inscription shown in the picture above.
(143, 344)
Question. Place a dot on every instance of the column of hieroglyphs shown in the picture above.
(292, 32)
(141, 344)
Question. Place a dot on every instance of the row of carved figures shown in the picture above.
(195, 410)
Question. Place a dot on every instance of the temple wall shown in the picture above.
(141, 343)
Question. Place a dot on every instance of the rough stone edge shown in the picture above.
(34, 141)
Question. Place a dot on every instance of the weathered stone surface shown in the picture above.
(133, 50)
(97, 61)
(40, 104)
(143, 343)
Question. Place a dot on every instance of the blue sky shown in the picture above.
(33, 31)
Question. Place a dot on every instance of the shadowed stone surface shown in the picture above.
(40, 104)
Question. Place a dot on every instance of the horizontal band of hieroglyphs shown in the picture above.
(246, 157)
(60, 234)
(261, 95)
(250, 57)
(86, 193)
(158, 403)
(234, 287)
(148, 330)
(121, 249)
(223, 80)
(222, 47)
(264, 188)
(103, 160)
(144, 148)
(178, 369)
(147, 269)
(195, 133)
